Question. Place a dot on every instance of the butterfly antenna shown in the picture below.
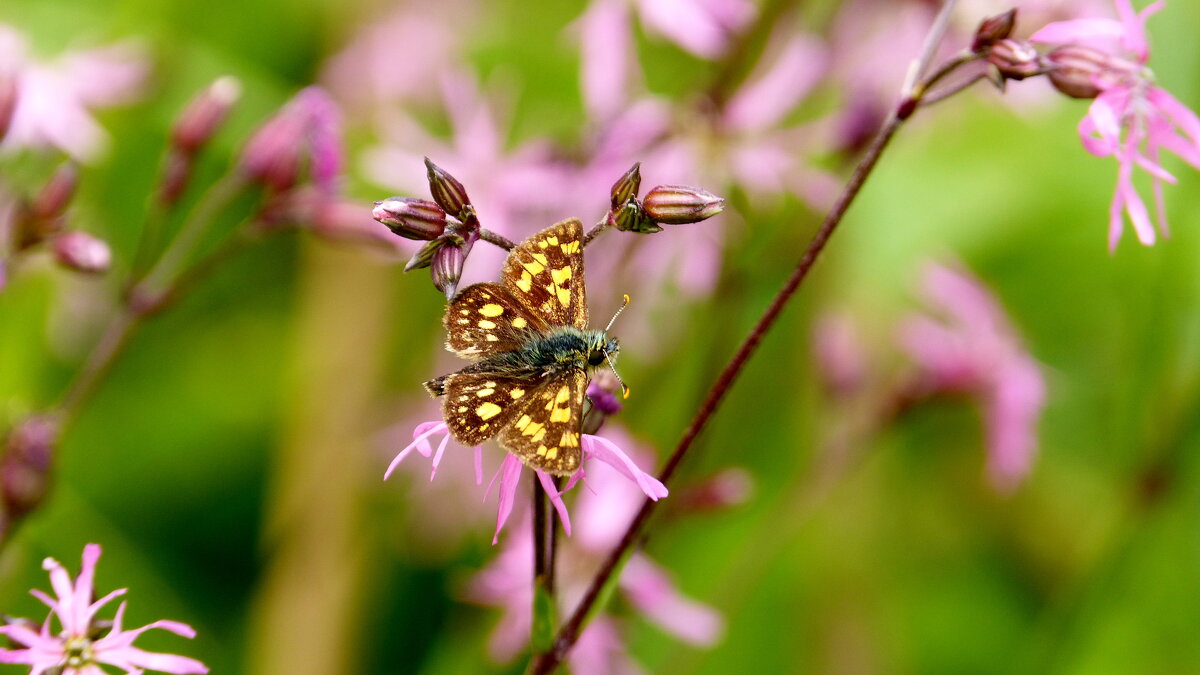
(614, 318)
(624, 389)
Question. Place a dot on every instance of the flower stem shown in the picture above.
(496, 239)
(547, 661)
(542, 626)
(599, 227)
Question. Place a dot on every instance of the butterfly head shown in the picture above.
(600, 348)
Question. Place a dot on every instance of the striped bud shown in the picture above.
(681, 204)
(627, 186)
(416, 219)
(446, 190)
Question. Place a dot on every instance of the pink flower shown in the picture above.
(75, 648)
(973, 349)
(54, 100)
(306, 130)
(509, 473)
(1131, 118)
(604, 512)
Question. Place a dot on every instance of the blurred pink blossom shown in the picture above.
(603, 513)
(970, 347)
(75, 649)
(1131, 118)
(509, 473)
(54, 100)
(306, 132)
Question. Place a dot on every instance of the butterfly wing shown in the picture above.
(545, 435)
(480, 404)
(485, 319)
(545, 274)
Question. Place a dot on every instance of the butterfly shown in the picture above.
(532, 351)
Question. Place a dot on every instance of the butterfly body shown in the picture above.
(532, 349)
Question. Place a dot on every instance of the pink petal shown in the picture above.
(510, 476)
(606, 46)
(555, 499)
(1078, 30)
(650, 590)
(479, 465)
(608, 452)
(1179, 114)
(420, 443)
(132, 657)
(768, 97)
(437, 456)
(1012, 414)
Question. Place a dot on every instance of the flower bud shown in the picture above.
(82, 252)
(204, 115)
(176, 173)
(1080, 72)
(631, 218)
(681, 204)
(627, 186)
(54, 196)
(417, 219)
(1016, 59)
(446, 190)
(993, 29)
(725, 489)
(446, 269)
(602, 401)
(424, 257)
(306, 130)
(25, 467)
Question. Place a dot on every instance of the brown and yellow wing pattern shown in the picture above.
(545, 434)
(545, 274)
(485, 319)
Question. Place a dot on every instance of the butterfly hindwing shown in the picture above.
(545, 274)
(545, 435)
(485, 319)
(480, 404)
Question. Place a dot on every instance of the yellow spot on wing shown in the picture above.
(539, 435)
(516, 393)
(560, 275)
(560, 415)
(488, 410)
(519, 322)
(553, 241)
(564, 297)
(492, 338)
(570, 247)
(569, 440)
(540, 258)
(534, 267)
(482, 393)
(523, 422)
(486, 325)
(491, 309)
(563, 394)
(552, 453)
(525, 283)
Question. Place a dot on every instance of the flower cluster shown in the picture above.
(84, 642)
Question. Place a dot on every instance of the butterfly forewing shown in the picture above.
(545, 435)
(486, 319)
(545, 274)
(478, 405)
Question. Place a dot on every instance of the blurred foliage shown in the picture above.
(909, 564)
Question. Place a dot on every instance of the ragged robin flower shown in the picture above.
(84, 644)
(1131, 118)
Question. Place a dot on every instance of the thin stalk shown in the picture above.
(496, 239)
(603, 224)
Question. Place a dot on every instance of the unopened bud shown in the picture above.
(1082, 72)
(82, 252)
(993, 29)
(627, 186)
(204, 114)
(272, 155)
(54, 196)
(681, 204)
(417, 219)
(631, 218)
(8, 101)
(446, 269)
(176, 173)
(424, 257)
(603, 401)
(25, 467)
(1016, 59)
(446, 190)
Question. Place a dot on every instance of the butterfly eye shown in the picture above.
(595, 357)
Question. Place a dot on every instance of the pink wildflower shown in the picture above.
(509, 473)
(974, 350)
(75, 648)
(306, 129)
(54, 100)
(604, 512)
(1131, 118)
